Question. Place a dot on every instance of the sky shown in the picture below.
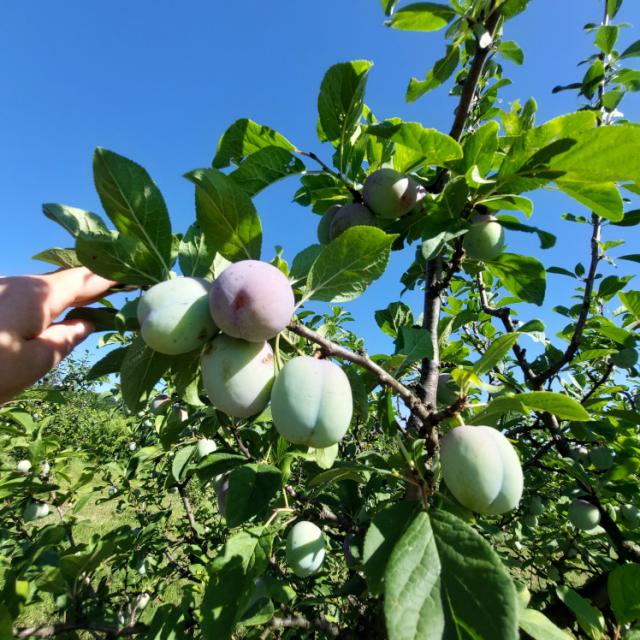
(159, 82)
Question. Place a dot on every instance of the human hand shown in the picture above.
(30, 342)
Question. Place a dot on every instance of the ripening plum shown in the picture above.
(579, 453)
(251, 300)
(481, 469)
(391, 194)
(631, 515)
(584, 515)
(205, 447)
(448, 390)
(305, 548)
(160, 403)
(485, 238)
(34, 511)
(325, 224)
(351, 215)
(311, 402)
(23, 467)
(174, 316)
(238, 375)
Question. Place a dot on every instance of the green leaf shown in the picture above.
(539, 627)
(216, 463)
(437, 76)
(509, 202)
(523, 276)
(436, 147)
(603, 154)
(75, 221)
(226, 215)
(396, 315)
(243, 138)
(631, 302)
(386, 528)
(606, 37)
(65, 258)
(589, 618)
(341, 97)
(444, 580)
(196, 254)
(610, 285)
(495, 353)
(547, 240)
(111, 363)
(632, 51)
(264, 167)
(624, 591)
(388, 6)
(180, 462)
(603, 199)
(558, 404)
(415, 344)
(324, 458)
(142, 367)
(479, 149)
(251, 489)
(121, 258)
(511, 51)
(349, 264)
(133, 202)
(303, 261)
(422, 16)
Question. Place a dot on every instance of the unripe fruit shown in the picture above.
(251, 300)
(536, 507)
(448, 390)
(485, 238)
(351, 215)
(132, 446)
(601, 458)
(205, 447)
(579, 453)
(159, 403)
(584, 515)
(391, 194)
(222, 488)
(174, 315)
(481, 469)
(311, 402)
(34, 511)
(238, 375)
(325, 224)
(142, 601)
(23, 467)
(305, 548)
(631, 515)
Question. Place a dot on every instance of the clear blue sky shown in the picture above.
(160, 81)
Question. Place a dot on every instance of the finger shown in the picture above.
(38, 355)
(74, 288)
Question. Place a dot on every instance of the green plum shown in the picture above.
(34, 511)
(481, 469)
(351, 215)
(311, 402)
(305, 548)
(485, 238)
(238, 375)
(391, 194)
(205, 446)
(584, 515)
(448, 390)
(174, 316)
(324, 225)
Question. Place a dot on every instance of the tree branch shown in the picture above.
(299, 622)
(596, 385)
(189, 511)
(50, 630)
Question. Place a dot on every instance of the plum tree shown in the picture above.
(159, 403)
(238, 375)
(631, 515)
(311, 402)
(35, 510)
(579, 453)
(23, 467)
(174, 315)
(481, 469)
(305, 548)
(350, 215)
(535, 506)
(601, 458)
(251, 300)
(485, 238)
(530, 519)
(205, 447)
(584, 515)
(448, 390)
(391, 194)
(324, 226)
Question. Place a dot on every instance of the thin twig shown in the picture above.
(50, 630)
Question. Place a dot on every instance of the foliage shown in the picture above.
(204, 538)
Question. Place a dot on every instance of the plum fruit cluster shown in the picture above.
(247, 305)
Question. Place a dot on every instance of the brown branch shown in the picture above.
(334, 350)
(241, 445)
(189, 511)
(50, 630)
(538, 381)
(357, 196)
(299, 622)
(504, 314)
(602, 380)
